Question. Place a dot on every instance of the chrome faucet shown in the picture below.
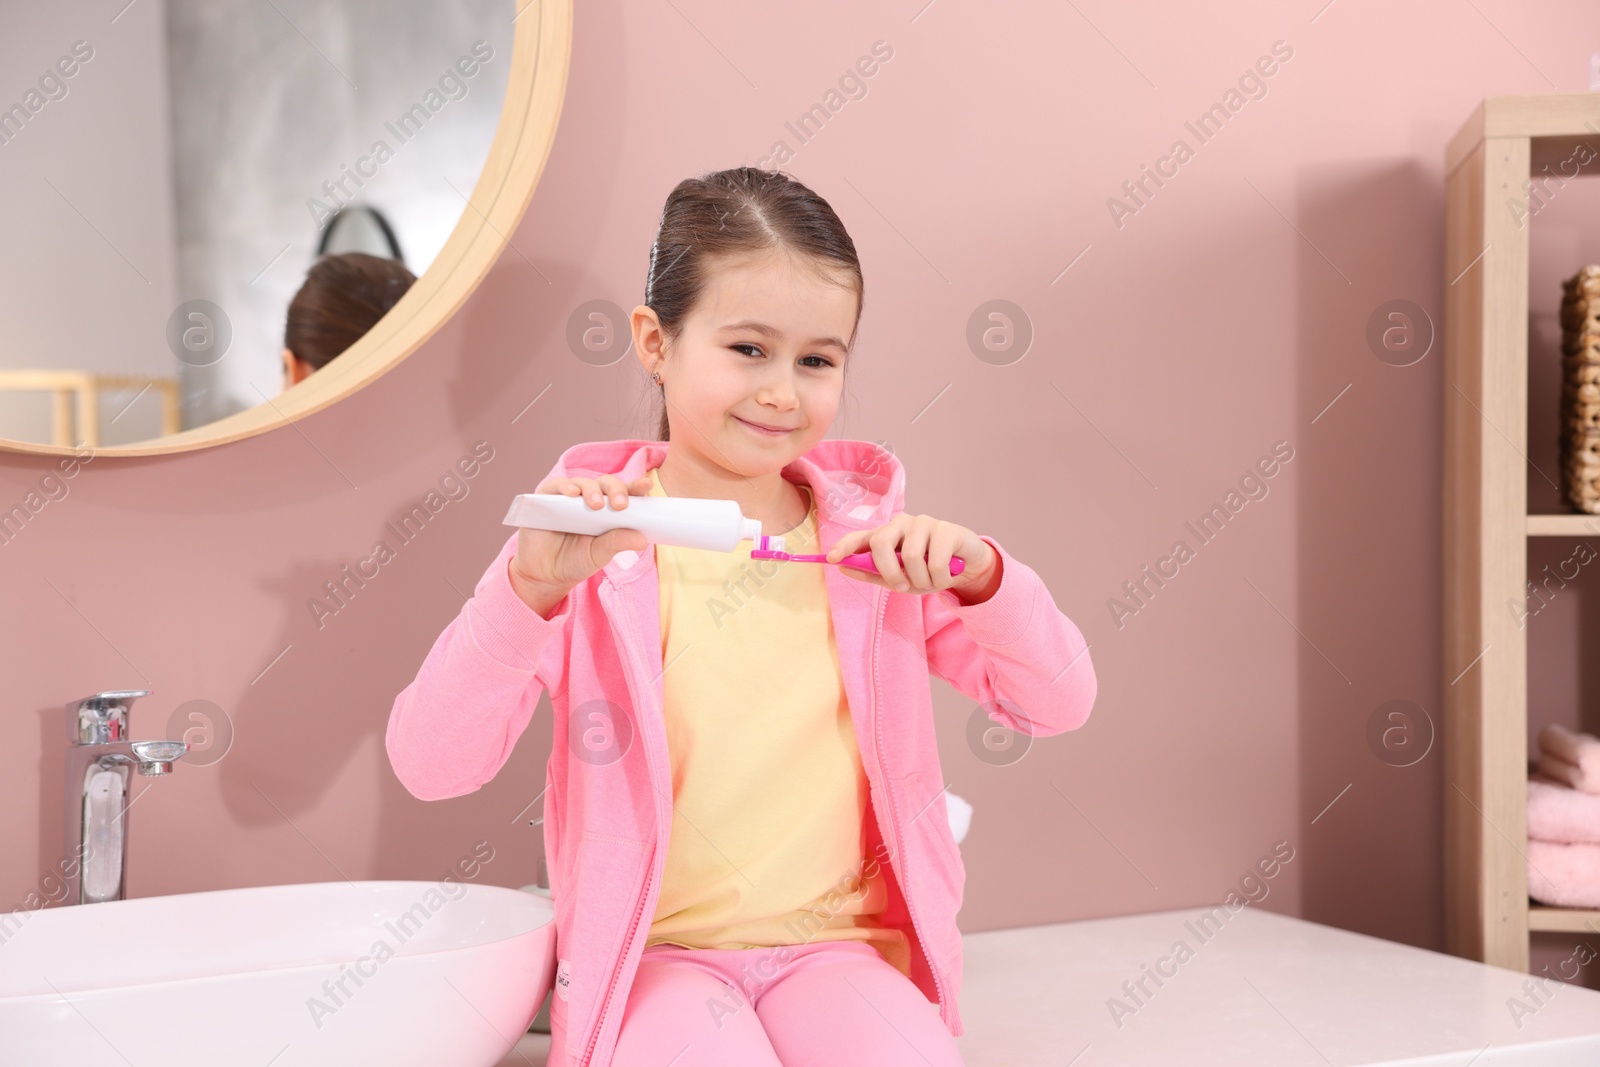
(99, 757)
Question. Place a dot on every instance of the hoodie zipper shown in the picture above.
(627, 942)
(649, 879)
(894, 809)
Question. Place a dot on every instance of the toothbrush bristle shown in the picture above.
(773, 544)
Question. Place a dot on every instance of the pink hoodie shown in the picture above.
(608, 804)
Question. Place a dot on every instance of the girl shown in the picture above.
(751, 860)
(344, 295)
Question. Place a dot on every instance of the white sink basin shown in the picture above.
(435, 974)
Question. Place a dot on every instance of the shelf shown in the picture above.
(1569, 525)
(1489, 165)
(1565, 920)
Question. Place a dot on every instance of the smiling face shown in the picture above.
(763, 346)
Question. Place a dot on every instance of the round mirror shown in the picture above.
(224, 217)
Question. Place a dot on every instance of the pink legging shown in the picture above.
(832, 1002)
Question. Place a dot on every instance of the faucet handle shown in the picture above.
(101, 717)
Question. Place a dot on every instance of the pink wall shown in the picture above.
(1223, 316)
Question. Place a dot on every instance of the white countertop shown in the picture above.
(1265, 990)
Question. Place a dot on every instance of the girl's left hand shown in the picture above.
(925, 545)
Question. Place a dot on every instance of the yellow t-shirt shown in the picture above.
(769, 794)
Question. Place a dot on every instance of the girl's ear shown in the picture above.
(649, 340)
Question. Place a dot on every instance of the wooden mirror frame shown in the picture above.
(540, 57)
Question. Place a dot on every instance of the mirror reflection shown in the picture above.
(210, 200)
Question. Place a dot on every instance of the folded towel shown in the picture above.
(1568, 774)
(1565, 875)
(1557, 812)
(1572, 747)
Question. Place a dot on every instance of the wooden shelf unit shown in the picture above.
(75, 413)
(1569, 920)
(1486, 524)
(1563, 525)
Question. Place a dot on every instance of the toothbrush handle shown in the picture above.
(863, 561)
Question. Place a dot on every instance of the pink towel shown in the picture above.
(1568, 774)
(1565, 875)
(1573, 749)
(1557, 812)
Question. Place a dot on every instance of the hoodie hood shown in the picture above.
(856, 484)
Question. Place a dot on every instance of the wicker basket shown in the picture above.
(1580, 389)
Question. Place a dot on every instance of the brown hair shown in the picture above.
(344, 295)
(729, 213)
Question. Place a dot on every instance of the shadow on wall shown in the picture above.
(1368, 589)
(389, 621)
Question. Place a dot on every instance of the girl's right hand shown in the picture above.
(548, 563)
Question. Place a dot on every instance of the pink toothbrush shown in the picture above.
(772, 548)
